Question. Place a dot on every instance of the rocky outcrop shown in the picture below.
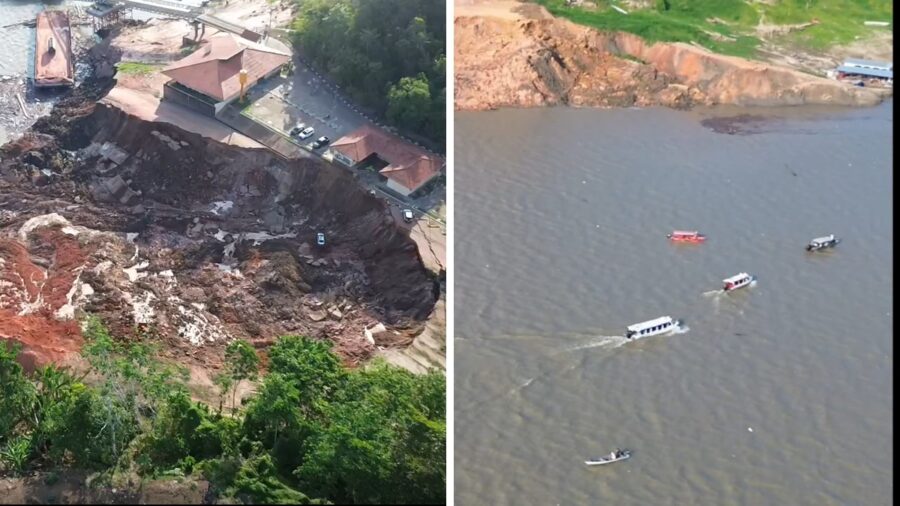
(513, 54)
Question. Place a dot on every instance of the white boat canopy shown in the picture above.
(637, 327)
(821, 240)
(736, 278)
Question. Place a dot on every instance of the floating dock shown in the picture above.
(53, 63)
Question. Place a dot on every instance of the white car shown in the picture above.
(307, 133)
(407, 215)
(320, 239)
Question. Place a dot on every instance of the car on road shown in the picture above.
(407, 215)
(320, 239)
(298, 128)
(307, 133)
(321, 142)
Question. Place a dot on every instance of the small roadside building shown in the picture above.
(405, 166)
(209, 78)
(854, 68)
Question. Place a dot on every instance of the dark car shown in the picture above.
(321, 142)
(295, 132)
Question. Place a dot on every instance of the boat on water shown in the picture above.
(828, 241)
(737, 281)
(686, 236)
(53, 63)
(614, 456)
(651, 328)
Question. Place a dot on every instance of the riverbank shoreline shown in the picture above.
(512, 54)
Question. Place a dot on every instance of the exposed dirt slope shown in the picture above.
(168, 234)
(514, 54)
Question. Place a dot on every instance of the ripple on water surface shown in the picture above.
(561, 216)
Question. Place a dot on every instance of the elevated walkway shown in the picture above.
(164, 7)
(192, 13)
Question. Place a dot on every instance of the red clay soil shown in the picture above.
(29, 296)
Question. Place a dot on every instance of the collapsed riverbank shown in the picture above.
(511, 54)
(176, 237)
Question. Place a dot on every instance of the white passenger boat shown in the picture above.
(651, 328)
(829, 241)
(737, 281)
(614, 456)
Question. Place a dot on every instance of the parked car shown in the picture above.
(321, 142)
(320, 239)
(298, 128)
(307, 132)
(407, 215)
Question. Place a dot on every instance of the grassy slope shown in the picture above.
(137, 68)
(840, 21)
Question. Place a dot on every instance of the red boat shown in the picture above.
(686, 236)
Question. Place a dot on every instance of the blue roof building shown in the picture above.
(868, 68)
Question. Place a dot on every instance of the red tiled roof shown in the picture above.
(408, 164)
(214, 68)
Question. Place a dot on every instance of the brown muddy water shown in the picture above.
(779, 393)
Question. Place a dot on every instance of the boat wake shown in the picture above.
(597, 342)
(681, 329)
(713, 293)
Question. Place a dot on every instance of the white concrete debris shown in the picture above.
(76, 297)
(132, 272)
(47, 220)
(221, 206)
(142, 309)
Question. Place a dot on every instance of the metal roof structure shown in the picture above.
(855, 62)
(864, 71)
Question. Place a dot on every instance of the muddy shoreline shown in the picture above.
(511, 54)
(178, 238)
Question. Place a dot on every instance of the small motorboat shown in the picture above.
(829, 241)
(737, 281)
(614, 456)
(686, 236)
(651, 327)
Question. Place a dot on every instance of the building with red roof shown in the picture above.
(214, 70)
(407, 167)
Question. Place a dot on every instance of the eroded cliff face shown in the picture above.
(172, 236)
(510, 54)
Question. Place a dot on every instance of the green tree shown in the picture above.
(17, 393)
(241, 363)
(409, 102)
(385, 429)
(310, 367)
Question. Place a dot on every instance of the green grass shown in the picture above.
(136, 68)
(840, 21)
(685, 21)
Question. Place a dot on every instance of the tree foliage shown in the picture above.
(313, 429)
(370, 46)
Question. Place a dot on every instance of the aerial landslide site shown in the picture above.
(177, 238)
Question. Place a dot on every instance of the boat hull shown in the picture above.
(604, 462)
(53, 63)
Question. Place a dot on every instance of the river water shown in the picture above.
(780, 393)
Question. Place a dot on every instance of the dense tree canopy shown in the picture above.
(313, 429)
(388, 54)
